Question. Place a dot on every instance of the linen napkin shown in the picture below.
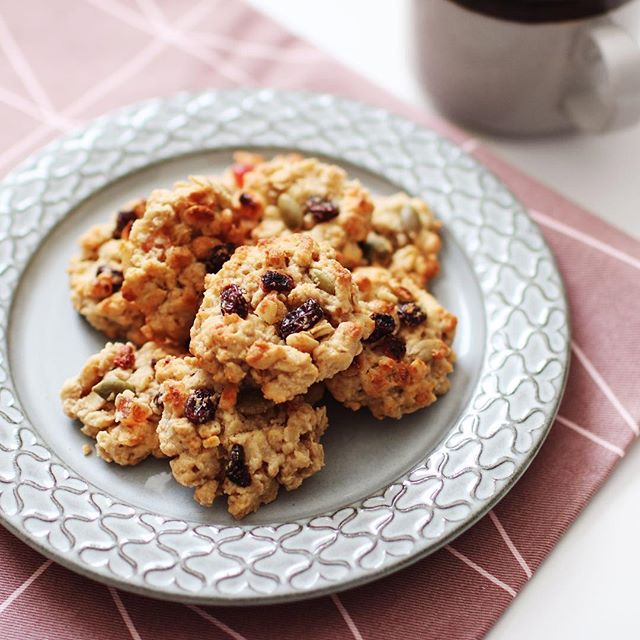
(64, 62)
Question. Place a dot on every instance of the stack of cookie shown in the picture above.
(242, 297)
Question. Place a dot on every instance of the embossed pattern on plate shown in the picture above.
(484, 452)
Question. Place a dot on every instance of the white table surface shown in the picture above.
(589, 585)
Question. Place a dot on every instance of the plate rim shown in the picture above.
(286, 99)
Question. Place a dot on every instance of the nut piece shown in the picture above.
(322, 329)
(326, 282)
(290, 211)
(110, 386)
(377, 248)
(302, 341)
(410, 219)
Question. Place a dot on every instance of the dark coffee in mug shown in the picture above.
(531, 66)
(536, 11)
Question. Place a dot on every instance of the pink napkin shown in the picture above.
(106, 53)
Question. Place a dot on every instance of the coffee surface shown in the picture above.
(541, 10)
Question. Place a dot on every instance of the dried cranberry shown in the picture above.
(249, 207)
(239, 171)
(367, 251)
(322, 209)
(384, 325)
(232, 300)
(394, 347)
(275, 281)
(218, 256)
(201, 406)
(410, 313)
(236, 469)
(123, 219)
(157, 401)
(126, 358)
(301, 318)
(247, 201)
(117, 277)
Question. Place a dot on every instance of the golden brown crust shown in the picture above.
(96, 277)
(115, 398)
(167, 250)
(279, 445)
(232, 347)
(405, 238)
(287, 187)
(279, 272)
(147, 284)
(394, 386)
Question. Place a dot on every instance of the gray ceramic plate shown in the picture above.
(391, 492)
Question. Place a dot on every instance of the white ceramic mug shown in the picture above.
(531, 66)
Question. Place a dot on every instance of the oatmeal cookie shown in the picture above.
(304, 194)
(406, 360)
(97, 274)
(246, 451)
(405, 238)
(283, 313)
(183, 234)
(115, 397)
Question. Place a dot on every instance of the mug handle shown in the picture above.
(604, 92)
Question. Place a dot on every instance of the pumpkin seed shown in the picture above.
(251, 403)
(290, 211)
(377, 248)
(110, 386)
(410, 219)
(325, 281)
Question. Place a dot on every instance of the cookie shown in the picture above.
(283, 314)
(183, 234)
(405, 238)
(145, 282)
(406, 360)
(97, 273)
(115, 397)
(303, 194)
(245, 452)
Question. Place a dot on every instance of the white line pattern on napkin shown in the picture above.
(217, 623)
(590, 241)
(605, 388)
(346, 617)
(124, 614)
(25, 73)
(133, 66)
(173, 36)
(483, 572)
(590, 436)
(509, 542)
(14, 595)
